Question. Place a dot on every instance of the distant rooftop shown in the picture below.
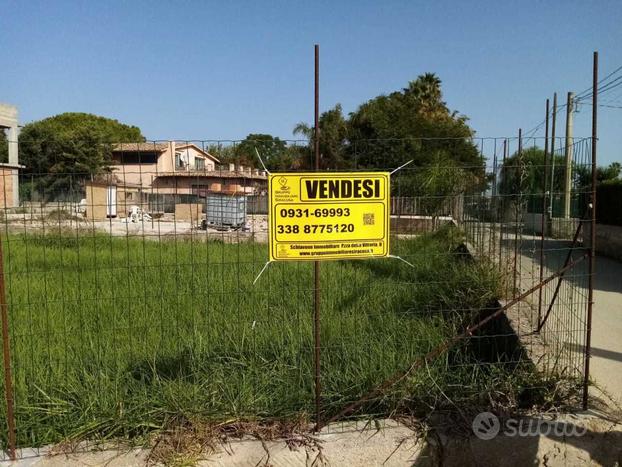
(159, 147)
(140, 147)
(219, 173)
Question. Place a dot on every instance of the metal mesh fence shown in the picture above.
(531, 246)
(131, 296)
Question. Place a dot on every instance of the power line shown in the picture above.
(607, 105)
(585, 94)
(611, 85)
(613, 99)
(582, 95)
(541, 124)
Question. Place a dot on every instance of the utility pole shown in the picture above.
(568, 155)
(553, 126)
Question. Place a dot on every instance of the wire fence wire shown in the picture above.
(131, 299)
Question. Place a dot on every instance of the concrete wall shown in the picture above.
(533, 223)
(190, 212)
(564, 228)
(8, 177)
(9, 120)
(557, 227)
(135, 174)
(608, 240)
(608, 237)
(166, 161)
(417, 224)
(127, 197)
(96, 198)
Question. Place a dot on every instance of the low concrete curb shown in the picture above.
(393, 444)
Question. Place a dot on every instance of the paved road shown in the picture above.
(606, 363)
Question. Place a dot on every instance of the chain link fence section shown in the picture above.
(131, 301)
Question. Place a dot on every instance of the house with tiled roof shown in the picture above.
(181, 168)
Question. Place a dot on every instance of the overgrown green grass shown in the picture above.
(113, 336)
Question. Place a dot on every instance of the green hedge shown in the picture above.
(609, 203)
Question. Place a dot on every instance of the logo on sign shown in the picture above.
(283, 183)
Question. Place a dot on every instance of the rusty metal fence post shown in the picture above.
(316, 264)
(6, 355)
(518, 212)
(592, 249)
(544, 196)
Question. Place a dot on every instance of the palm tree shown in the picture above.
(426, 91)
(305, 130)
(333, 138)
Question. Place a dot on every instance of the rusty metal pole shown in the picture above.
(6, 354)
(545, 169)
(502, 213)
(316, 264)
(592, 251)
(519, 207)
(495, 202)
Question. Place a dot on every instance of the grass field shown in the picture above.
(111, 337)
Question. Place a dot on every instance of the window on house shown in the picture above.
(179, 163)
(199, 163)
(134, 157)
(4, 145)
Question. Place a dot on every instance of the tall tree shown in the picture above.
(224, 152)
(426, 92)
(522, 177)
(334, 133)
(413, 124)
(524, 173)
(438, 183)
(273, 151)
(608, 174)
(390, 130)
(61, 151)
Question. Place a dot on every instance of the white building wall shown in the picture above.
(9, 120)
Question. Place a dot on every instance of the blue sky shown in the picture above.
(221, 70)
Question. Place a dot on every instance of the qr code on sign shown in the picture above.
(369, 219)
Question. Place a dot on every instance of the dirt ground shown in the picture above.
(256, 228)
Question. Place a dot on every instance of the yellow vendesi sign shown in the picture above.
(319, 216)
